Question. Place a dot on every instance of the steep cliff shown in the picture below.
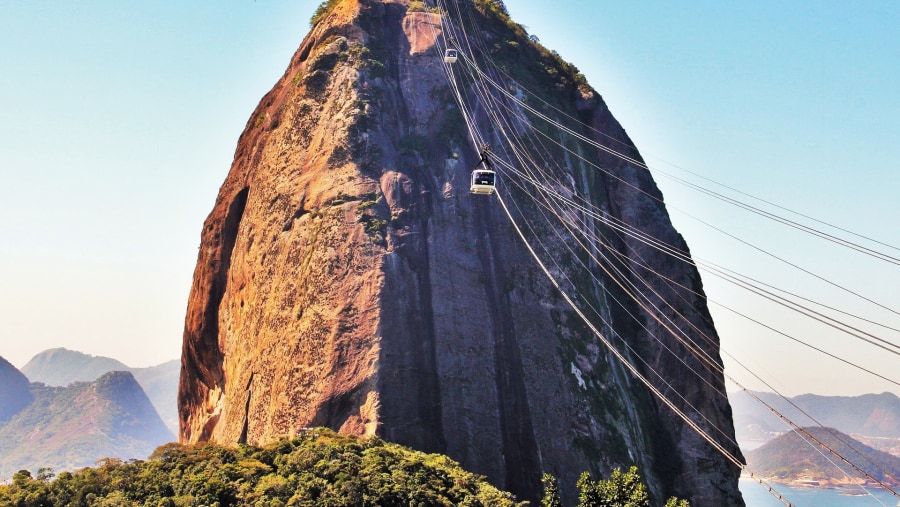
(346, 278)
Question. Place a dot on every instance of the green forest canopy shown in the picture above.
(319, 468)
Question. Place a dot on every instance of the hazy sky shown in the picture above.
(119, 123)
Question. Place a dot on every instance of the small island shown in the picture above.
(795, 459)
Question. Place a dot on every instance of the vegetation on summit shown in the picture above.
(321, 11)
(318, 468)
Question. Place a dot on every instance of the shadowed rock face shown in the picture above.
(347, 279)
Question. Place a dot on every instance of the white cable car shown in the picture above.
(482, 182)
(450, 56)
(483, 178)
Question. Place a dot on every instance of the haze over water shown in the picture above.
(757, 496)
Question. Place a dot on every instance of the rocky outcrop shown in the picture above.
(347, 279)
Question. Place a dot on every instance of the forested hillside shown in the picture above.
(318, 468)
(790, 458)
(70, 427)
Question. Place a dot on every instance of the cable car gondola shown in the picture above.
(450, 56)
(483, 177)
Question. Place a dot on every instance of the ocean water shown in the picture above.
(757, 496)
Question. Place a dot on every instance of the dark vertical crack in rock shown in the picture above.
(204, 357)
(430, 394)
(520, 450)
(243, 438)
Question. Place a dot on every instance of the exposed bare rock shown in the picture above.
(347, 279)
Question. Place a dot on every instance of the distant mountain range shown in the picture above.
(69, 427)
(61, 367)
(870, 415)
(792, 459)
(75, 411)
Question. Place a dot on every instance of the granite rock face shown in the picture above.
(346, 278)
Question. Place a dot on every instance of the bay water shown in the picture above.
(756, 495)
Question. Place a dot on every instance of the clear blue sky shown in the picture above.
(120, 121)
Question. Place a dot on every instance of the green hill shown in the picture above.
(70, 427)
(320, 468)
(791, 458)
(61, 367)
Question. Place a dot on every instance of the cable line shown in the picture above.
(793, 265)
(624, 362)
(643, 165)
(552, 201)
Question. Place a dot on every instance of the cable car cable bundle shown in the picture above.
(577, 216)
